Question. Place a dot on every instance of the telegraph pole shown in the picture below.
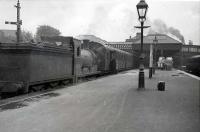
(18, 23)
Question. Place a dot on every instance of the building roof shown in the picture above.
(135, 38)
(123, 43)
(91, 38)
(101, 42)
(8, 33)
(7, 36)
(162, 39)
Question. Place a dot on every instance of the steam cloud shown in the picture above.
(112, 24)
(160, 27)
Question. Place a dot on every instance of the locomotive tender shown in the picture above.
(29, 66)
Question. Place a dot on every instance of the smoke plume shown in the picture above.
(160, 27)
(176, 33)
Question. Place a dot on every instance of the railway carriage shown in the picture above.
(109, 59)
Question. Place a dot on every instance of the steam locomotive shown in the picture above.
(28, 67)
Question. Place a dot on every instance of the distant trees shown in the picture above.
(26, 36)
(9, 36)
(45, 30)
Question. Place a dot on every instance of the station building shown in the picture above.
(165, 46)
(8, 36)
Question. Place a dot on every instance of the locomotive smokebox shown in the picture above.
(161, 86)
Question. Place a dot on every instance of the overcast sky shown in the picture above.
(111, 20)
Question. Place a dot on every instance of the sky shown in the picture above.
(111, 20)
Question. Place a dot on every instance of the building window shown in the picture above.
(193, 49)
(185, 49)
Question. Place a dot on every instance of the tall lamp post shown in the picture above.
(142, 10)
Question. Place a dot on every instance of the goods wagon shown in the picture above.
(24, 66)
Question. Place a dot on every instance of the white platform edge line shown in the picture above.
(193, 76)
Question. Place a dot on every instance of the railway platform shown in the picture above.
(111, 104)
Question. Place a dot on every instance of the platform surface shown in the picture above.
(111, 104)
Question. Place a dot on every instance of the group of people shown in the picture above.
(165, 63)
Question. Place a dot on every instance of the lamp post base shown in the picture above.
(150, 72)
(141, 80)
(153, 71)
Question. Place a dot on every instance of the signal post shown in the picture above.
(18, 23)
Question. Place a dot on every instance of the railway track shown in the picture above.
(15, 103)
(23, 99)
(31, 94)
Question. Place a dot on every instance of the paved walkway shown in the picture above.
(112, 104)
